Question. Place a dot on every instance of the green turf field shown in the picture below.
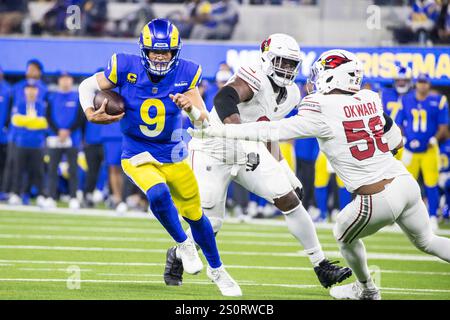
(41, 255)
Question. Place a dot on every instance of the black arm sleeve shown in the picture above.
(226, 101)
(389, 122)
(48, 116)
(78, 123)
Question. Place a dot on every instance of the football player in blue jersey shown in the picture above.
(424, 118)
(391, 97)
(156, 86)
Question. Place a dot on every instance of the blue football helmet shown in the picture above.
(402, 81)
(159, 35)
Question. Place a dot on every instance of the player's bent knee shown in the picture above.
(159, 197)
(287, 203)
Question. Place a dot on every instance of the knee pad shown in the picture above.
(159, 198)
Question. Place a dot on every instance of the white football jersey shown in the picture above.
(262, 107)
(350, 132)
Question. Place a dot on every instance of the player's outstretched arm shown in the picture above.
(87, 89)
(304, 125)
(192, 103)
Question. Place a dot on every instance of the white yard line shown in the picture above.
(50, 269)
(331, 244)
(142, 215)
(152, 264)
(333, 254)
(199, 282)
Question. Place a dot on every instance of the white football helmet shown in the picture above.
(281, 60)
(337, 69)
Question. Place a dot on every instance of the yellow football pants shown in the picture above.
(426, 162)
(180, 179)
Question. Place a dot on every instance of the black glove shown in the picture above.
(252, 161)
(299, 192)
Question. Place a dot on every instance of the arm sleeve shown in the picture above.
(305, 125)
(87, 89)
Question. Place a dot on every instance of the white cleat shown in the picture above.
(40, 201)
(50, 203)
(122, 208)
(14, 200)
(228, 287)
(189, 256)
(354, 291)
(74, 204)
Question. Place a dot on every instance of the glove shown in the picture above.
(252, 161)
(299, 192)
(295, 182)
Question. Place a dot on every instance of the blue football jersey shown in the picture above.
(392, 103)
(152, 122)
(421, 119)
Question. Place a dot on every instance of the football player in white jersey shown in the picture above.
(358, 139)
(265, 92)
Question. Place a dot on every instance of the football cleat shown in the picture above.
(355, 291)
(189, 256)
(329, 273)
(227, 286)
(173, 272)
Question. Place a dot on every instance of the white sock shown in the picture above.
(300, 225)
(355, 255)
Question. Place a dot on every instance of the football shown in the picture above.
(116, 104)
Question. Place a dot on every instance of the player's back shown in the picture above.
(357, 151)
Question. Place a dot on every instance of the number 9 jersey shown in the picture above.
(152, 122)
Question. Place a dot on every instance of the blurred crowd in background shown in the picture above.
(50, 155)
(427, 21)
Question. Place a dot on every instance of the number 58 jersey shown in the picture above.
(349, 129)
(152, 122)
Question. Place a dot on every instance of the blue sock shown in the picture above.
(345, 198)
(322, 201)
(164, 210)
(433, 199)
(203, 234)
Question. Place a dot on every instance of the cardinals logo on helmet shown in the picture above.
(265, 45)
(334, 61)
